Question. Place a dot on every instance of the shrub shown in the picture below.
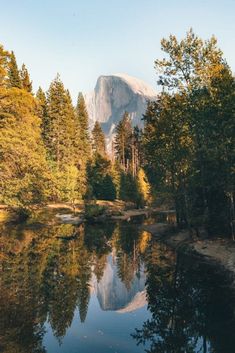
(92, 211)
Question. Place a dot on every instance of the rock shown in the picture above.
(112, 96)
(69, 219)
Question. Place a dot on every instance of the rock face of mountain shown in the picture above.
(115, 94)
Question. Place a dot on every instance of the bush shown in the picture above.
(92, 211)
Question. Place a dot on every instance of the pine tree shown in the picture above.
(116, 176)
(60, 114)
(24, 174)
(83, 120)
(136, 153)
(4, 57)
(25, 79)
(100, 178)
(82, 142)
(129, 189)
(123, 141)
(59, 136)
(98, 139)
(108, 188)
(42, 113)
(13, 73)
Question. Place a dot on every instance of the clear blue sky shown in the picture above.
(84, 39)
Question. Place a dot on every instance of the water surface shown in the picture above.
(108, 288)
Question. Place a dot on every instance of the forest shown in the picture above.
(184, 155)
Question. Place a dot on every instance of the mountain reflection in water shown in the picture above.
(82, 294)
(112, 293)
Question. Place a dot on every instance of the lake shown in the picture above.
(108, 288)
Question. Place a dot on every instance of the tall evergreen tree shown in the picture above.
(108, 188)
(123, 141)
(25, 79)
(98, 139)
(99, 175)
(42, 113)
(82, 142)
(60, 114)
(4, 57)
(83, 120)
(136, 151)
(13, 72)
(59, 135)
(129, 189)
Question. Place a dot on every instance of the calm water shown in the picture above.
(109, 288)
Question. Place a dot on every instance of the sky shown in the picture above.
(82, 40)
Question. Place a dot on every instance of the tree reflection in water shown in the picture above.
(45, 279)
(192, 306)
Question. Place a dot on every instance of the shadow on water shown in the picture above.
(192, 305)
(47, 286)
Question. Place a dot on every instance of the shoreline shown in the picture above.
(217, 251)
(74, 214)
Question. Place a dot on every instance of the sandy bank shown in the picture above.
(218, 251)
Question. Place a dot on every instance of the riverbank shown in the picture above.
(75, 214)
(109, 211)
(220, 252)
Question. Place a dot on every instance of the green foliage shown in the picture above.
(100, 178)
(24, 175)
(60, 124)
(188, 140)
(115, 172)
(25, 79)
(128, 142)
(129, 190)
(4, 57)
(190, 63)
(98, 140)
(39, 141)
(122, 140)
(83, 123)
(93, 210)
(53, 142)
(42, 113)
(66, 183)
(108, 188)
(190, 129)
(14, 79)
(82, 143)
(62, 135)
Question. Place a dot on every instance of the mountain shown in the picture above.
(112, 96)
